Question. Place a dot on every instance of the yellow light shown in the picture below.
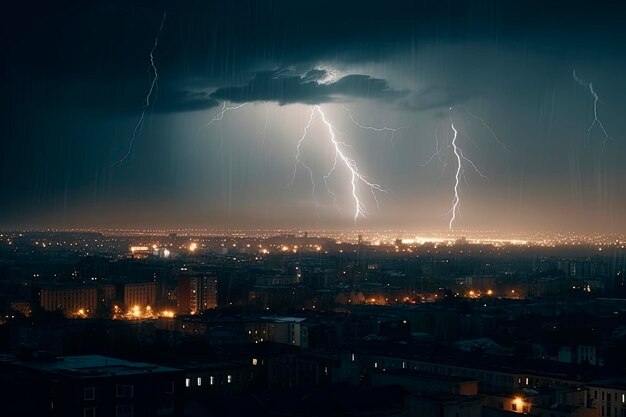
(519, 402)
(193, 247)
(489, 292)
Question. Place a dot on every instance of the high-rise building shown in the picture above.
(196, 294)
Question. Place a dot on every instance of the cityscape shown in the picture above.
(307, 323)
(313, 209)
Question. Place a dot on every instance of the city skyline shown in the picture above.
(314, 116)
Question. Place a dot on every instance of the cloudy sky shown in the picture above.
(77, 75)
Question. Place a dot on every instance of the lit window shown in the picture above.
(526, 381)
(254, 361)
(187, 382)
(229, 379)
(199, 381)
(375, 364)
(353, 357)
(211, 380)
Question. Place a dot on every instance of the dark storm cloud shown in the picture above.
(184, 100)
(309, 88)
(103, 45)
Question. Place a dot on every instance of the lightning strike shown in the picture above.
(357, 179)
(455, 203)
(393, 130)
(439, 148)
(595, 107)
(220, 115)
(484, 123)
(460, 170)
(304, 165)
(154, 79)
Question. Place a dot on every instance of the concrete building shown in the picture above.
(91, 386)
(140, 294)
(71, 300)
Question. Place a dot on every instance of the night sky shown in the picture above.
(76, 75)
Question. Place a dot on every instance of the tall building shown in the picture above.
(196, 294)
(140, 294)
(68, 299)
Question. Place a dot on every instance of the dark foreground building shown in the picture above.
(89, 386)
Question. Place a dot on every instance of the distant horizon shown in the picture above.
(379, 235)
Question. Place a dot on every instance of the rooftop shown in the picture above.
(89, 366)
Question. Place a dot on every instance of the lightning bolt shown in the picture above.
(152, 69)
(460, 170)
(456, 200)
(220, 115)
(393, 130)
(484, 123)
(595, 107)
(357, 179)
(439, 148)
(304, 165)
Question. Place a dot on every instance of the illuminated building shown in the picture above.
(69, 299)
(139, 294)
(140, 252)
(609, 396)
(196, 294)
(220, 378)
